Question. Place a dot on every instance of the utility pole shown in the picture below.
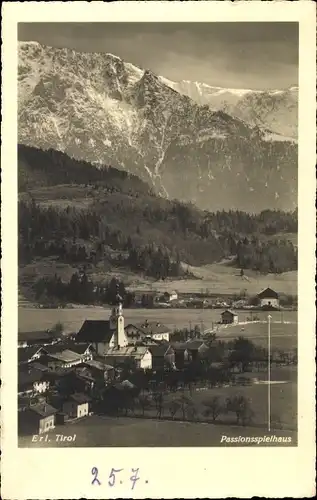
(269, 370)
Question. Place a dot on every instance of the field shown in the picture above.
(283, 398)
(37, 319)
(283, 335)
(99, 431)
(224, 279)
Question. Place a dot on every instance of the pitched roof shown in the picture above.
(94, 331)
(230, 312)
(179, 346)
(268, 293)
(27, 353)
(43, 409)
(26, 378)
(159, 350)
(150, 327)
(39, 366)
(136, 351)
(80, 398)
(66, 356)
(79, 348)
(195, 344)
(99, 365)
(54, 348)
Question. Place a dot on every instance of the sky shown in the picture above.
(239, 55)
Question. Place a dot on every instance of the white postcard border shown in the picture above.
(174, 472)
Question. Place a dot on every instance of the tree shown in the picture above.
(173, 407)
(191, 412)
(241, 406)
(57, 329)
(144, 403)
(159, 401)
(185, 403)
(243, 352)
(214, 407)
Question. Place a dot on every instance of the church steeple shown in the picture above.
(117, 321)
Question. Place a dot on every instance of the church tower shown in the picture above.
(119, 338)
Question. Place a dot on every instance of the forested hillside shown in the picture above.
(80, 214)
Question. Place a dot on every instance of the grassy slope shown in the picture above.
(218, 278)
(221, 278)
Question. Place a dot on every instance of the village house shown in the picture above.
(269, 299)
(139, 356)
(37, 419)
(181, 353)
(29, 354)
(31, 382)
(229, 317)
(170, 296)
(163, 356)
(196, 348)
(150, 329)
(37, 365)
(65, 359)
(38, 338)
(77, 379)
(99, 370)
(77, 405)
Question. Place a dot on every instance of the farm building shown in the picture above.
(196, 348)
(170, 296)
(228, 317)
(38, 418)
(163, 355)
(140, 356)
(29, 354)
(39, 338)
(182, 354)
(99, 370)
(269, 299)
(152, 329)
(77, 405)
(65, 359)
(31, 381)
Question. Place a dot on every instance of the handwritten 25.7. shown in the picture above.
(114, 477)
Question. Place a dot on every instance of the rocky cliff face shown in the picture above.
(99, 108)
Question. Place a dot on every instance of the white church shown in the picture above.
(110, 341)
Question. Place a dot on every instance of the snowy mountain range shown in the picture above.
(276, 110)
(104, 110)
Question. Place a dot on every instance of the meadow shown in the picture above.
(101, 431)
(224, 279)
(283, 399)
(31, 319)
